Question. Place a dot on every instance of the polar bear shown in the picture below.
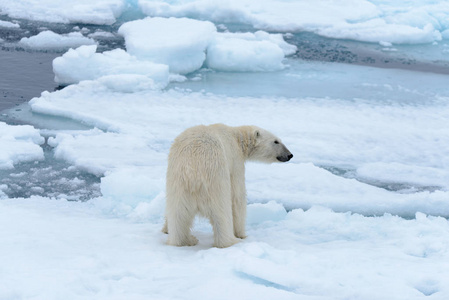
(206, 176)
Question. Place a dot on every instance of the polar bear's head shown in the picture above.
(268, 147)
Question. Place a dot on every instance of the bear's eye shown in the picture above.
(276, 142)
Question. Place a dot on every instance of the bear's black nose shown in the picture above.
(284, 158)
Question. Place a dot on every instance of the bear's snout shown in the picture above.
(284, 158)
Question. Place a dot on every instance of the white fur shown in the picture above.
(206, 176)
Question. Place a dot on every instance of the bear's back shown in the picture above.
(199, 155)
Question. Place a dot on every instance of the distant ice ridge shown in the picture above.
(369, 21)
(362, 20)
(185, 44)
(49, 40)
(19, 144)
(103, 12)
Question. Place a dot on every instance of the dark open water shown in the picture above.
(24, 75)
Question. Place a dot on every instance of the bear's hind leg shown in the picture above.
(179, 223)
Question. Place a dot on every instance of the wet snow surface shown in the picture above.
(358, 91)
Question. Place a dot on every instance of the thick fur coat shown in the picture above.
(206, 176)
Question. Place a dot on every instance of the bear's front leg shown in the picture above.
(239, 206)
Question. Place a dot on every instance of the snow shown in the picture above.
(48, 40)
(314, 254)
(84, 63)
(361, 211)
(19, 144)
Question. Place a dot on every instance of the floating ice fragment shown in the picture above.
(101, 34)
(385, 44)
(19, 144)
(239, 55)
(48, 40)
(9, 25)
(248, 52)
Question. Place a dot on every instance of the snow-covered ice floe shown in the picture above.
(118, 68)
(314, 254)
(405, 141)
(19, 144)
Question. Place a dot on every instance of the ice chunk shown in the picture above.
(130, 74)
(260, 35)
(48, 40)
(231, 54)
(385, 44)
(178, 43)
(19, 144)
(101, 34)
(133, 185)
(6, 24)
(134, 191)
(271, 211)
